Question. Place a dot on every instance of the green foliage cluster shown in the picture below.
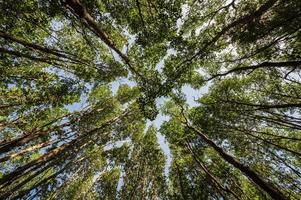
(81, 82)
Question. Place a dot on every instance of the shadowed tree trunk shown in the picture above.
(256, 178)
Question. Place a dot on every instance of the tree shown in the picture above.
(82, 80)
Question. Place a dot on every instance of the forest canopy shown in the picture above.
(150, 99)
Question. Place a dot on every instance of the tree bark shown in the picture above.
(296, 64)
(252, 175)
(55, 52)
(80, 10)
(213, 179)
(243, 20)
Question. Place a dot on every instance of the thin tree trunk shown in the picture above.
(29, 149)
(80, 10)
(181, 182)
(296, 64)
(213, 179)
(8, 146)
(243, 20)
(20, 171)
(252, 175)
(40, 48)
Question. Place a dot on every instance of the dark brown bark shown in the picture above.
(265, 106)
(11, 177)
(41, 182)
(46, 158)
(80, 10)
(284, 37)
(280, 122)
(269, 188)
(8, 146)
(55, 52)
(38, 59)
(279, 137)
(283, 161)
(271, 143)
(29, 149)
(213, 179)
(243, 20)
(181, 182)
(296, 64)
(141, 15)
(36, 132)
(182, 66)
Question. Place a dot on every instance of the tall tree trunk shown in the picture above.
(252, 175)
(243, 20)
(8, 146)
(179, 174)
(295, 64)
(32, 46)
(213, 179)
(80, 10)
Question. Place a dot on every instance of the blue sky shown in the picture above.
(190, 93)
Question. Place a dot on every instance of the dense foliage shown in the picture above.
(82, 81)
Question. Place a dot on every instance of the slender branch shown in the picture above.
(211, 176)
(76, 7)
(55, 52)
(295, 64)
(269, 188)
